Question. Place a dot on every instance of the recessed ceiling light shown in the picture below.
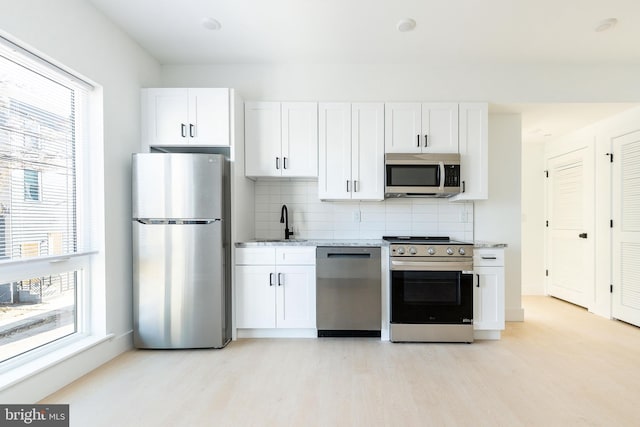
(605, 24)
(211, 24)
(406, 24)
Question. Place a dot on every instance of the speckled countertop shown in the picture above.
(489, 245)
(312, 242)
(343, 242)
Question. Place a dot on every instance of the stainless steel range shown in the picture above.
(431, 289)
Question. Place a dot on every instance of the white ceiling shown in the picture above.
(364, 31)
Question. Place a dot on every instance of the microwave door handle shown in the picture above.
(442, 176)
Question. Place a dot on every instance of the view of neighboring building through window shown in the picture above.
(42, 119)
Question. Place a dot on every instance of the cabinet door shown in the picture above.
(474, 151)
(255, 296)
(439, 128)
(334, 151)
(488, 298)
(165, 114)
(296, 296)
(403, 127)
(367, 151)
(209, 116)
(262, 139)
(300, 139)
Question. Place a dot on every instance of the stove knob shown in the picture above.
(413, 250)
(400, 250)
(449, 251)
(461, 251)
(431, 251)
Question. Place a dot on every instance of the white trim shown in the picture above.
(16, 370)
(277, 333)
(43, 61)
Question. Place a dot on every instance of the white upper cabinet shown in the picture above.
(351, 151)
(421, 127)
(474, 151)
(281, 139)
(175, 117)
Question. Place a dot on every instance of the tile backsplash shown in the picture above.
(311, 218)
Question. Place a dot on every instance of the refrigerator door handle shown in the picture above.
(154, 221)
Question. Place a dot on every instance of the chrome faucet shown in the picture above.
(284, 219)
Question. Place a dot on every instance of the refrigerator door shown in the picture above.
(177, 185)
(179, 287)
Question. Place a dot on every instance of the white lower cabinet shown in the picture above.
(488, 293)
(275, 289)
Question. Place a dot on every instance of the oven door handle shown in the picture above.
(431, 266)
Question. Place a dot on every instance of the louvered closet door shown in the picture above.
(626, 228)
(570, 213)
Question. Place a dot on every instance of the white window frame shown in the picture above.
(90, 299)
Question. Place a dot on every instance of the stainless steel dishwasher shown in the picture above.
(348, 291)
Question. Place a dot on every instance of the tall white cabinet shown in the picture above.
(185, 116)
(421, 127)
(474, 150)
(488, 295)
(351, 151)
(281, 139)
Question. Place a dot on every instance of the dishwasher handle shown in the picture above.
(349, 255)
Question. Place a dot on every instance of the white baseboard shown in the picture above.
(58, 372)
(277, 333)
(514, 315)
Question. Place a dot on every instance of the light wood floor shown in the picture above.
(561, 367)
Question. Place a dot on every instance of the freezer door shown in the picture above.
(179, 286)
(177, 185)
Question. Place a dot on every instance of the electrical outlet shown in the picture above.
(356, 216)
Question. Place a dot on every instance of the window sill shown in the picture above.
(14, 371)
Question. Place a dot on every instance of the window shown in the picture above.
(31, 185)
(45, 207)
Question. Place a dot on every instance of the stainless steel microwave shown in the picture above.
(422, 175)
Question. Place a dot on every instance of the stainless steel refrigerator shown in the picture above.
(181, 234)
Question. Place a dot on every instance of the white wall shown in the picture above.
(533, 266)
(74, 34)
(600, 134)
(498, 219)
(497, 83)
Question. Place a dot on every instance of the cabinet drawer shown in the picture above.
(296, 255)
(256, 256)
(488, 257)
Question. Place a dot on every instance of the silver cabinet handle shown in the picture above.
(489, 257)
(277, 162)
(464, 187)
(418, 142)
(284, 162)
(355, 186)
(478, 285)
(183, 130)
(270, 279)
(192, 130)
(280, 282)
(426, 140)
(347, 186)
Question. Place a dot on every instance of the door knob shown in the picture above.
(582, 235)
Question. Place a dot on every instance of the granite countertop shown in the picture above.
(312, 242)
(489, 245)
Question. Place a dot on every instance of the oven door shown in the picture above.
(438, 297)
